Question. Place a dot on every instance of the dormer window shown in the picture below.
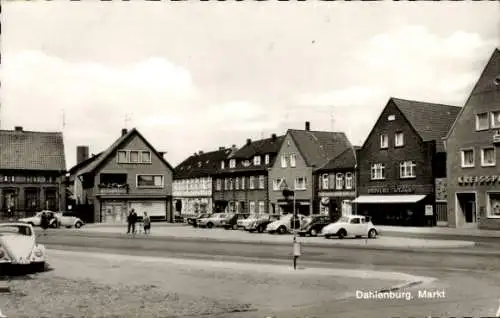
(266, 159)
(246, 163)
(222, 165)
(232, 163)
(256, 161)
(391, 117)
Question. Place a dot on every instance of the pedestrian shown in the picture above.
(44, 223)
(133, 221)
(147, 223)
(129, 221)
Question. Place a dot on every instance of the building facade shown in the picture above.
(473, 155)
(32, 168)
(241, 183)
(130, 174)
(399, 162)
(192, 188)
(336, 185)
(301, 152)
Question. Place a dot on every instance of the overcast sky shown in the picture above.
(198, 75)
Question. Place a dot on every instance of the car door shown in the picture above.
(355, 226)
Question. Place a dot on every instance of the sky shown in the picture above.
(196, 76)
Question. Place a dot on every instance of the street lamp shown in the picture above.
(296, 246)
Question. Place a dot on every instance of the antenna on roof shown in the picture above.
(63, 118)
(126, 120)
(332, 122)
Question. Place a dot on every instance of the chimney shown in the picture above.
(162, 153)
(249, 141)
(82, 153)
(18, 128)
(274, 137)
(200, 152)
(124, 131)
(308, 126)
(222, 148)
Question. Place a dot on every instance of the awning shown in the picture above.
(410, 198)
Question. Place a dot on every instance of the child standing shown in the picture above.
(147, 223)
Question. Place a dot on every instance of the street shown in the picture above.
(234, 279)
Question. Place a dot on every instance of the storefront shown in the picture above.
(117, 210)
(301, 206)
(336, 204)
(397, 205)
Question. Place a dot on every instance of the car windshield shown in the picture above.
(15, 230)
(343, 219)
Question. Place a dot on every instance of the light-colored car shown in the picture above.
(216, 219)
(243, 223)
(261, 222)
(352, 225)
(69, 220)
(36, 219)
(285, 224)
(18, 245)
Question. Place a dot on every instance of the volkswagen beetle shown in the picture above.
(18, 246)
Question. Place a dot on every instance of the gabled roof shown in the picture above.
(32, 150)
(90, 168)
(201, 165)
(319, 147)
(431, 121)
(259, 147)
(345, 160)
(83, 164)
(484, 83)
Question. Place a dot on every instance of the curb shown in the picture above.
(4, 287)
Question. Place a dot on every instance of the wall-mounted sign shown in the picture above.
(471, 180)
(391, 189)
(428, 210)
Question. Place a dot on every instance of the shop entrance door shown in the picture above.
(466, 205)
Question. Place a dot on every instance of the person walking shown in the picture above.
(133, 221)
(147, 223)
(44, 223)
(129, 221)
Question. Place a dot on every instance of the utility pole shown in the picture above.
(296, 245)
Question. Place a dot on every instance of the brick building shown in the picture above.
(473, 156)
(400, 161)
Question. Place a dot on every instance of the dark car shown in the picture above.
(194, 220)
(314, 224)
(261, 223)
(232, 223)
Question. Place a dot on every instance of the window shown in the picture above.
(277, 184)
(391, 117)
(407, 169)
(237, 183)
(384, 141)
(262, 180)
(339, 181)
(468, 158)
(324, 181)
(266, 159)
(252, 182)
(230, 183)
(122, 156)
(232, 163)
(222, 165)
(149, 181)
(293, 158)
(348, 181)
(256, 161)
(495, 119)
(356, 221)
(252, 207)
(399, 139)
(283, 161)
(493, 207)
(300, 183)
(134, 156)
(488, 157)
(482, 121)
(226, 184)
(262, 207)
(378, 171)
(242, 183)
(245, 163)
(145, 156)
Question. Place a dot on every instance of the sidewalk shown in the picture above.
(221, 235)
(438, 232)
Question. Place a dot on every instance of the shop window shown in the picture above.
(493, 208)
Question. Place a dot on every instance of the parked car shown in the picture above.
(232, 223)
(194, 220)
(242, 223)
(286, 224)
(260, 223)
(216, 219)
(36, 220)
(313, 225)
(67, 219)
(18, 246)
(353, 225)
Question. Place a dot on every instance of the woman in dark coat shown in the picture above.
(44, 222)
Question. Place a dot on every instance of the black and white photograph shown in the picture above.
(249, 159)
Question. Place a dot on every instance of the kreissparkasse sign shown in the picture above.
(478, 179)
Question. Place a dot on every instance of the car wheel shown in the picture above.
(313, 232)
(195, 225)
(260, 229)
(341, 233)
(282, 230)
(78, 225)
(372, 233)
(210, 225)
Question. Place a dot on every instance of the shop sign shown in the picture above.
(471, 180)
(428, 210)
(391, 189)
